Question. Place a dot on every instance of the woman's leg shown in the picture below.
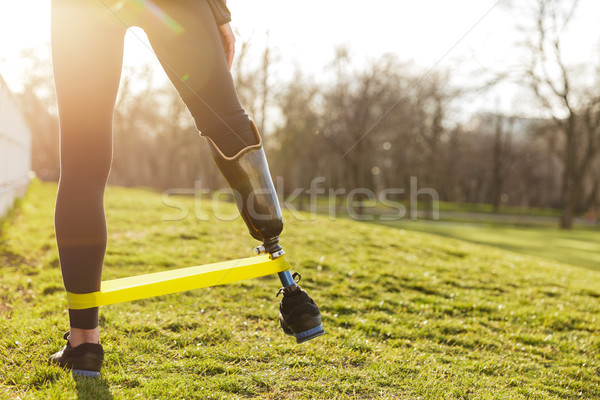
(87, 51)
(190, 50)
(186, 41)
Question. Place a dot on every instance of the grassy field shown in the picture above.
(408, 314)
(375, 205)
(489, 209)
(579, 247)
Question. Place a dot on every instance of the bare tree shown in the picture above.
(38, 103)
(500, 150)
(573, 106)
(352, 125)
(254, 84)
(296, 154)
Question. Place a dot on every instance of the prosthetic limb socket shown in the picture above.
(247, 173)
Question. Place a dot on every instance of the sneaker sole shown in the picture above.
(89, 374)
(309, 334)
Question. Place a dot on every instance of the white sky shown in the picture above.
(306, 33)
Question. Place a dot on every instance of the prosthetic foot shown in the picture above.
(299, 316)
(247, 173)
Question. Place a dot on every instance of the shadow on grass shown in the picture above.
(577, 247)
(92, 388)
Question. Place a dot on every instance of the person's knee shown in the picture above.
(86, 174)
(229, 131)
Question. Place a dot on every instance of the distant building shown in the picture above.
(15, 150)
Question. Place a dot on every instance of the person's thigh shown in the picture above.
(87, 53)
(186, 41)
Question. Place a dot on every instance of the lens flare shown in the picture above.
(160, 14)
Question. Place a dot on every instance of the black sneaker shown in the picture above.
(299, 316)
(85, 359)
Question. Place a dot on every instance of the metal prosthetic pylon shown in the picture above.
(304, 321)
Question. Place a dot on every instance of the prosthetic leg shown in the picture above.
(247, 173)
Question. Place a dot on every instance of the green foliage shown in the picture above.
(407, 314)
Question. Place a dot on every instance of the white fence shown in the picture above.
(15, 151)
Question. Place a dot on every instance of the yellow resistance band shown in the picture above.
(178, 280)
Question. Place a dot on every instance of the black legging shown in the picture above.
(87, 54)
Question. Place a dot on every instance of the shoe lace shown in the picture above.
(294, 276)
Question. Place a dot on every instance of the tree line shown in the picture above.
(370, 126)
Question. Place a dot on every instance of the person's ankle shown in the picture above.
(79, 336)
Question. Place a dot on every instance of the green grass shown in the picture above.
(489, 209)
(579, 247)
(323, 203)
(408, 314)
